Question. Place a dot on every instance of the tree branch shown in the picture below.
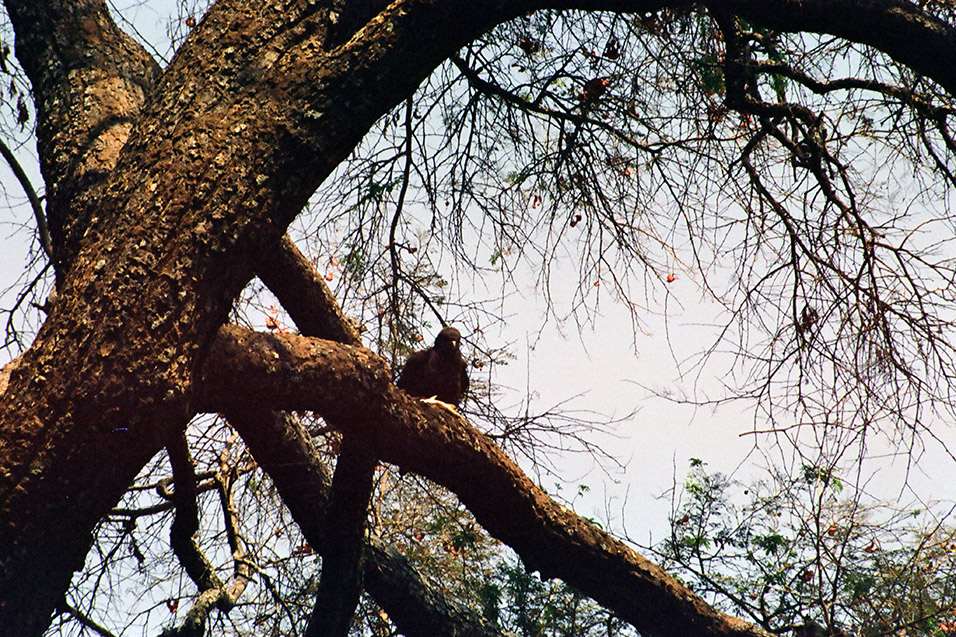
(341, 582)
(212, 592)
(38, 214)
(390, 580)
(303, 293)
(89, 81)
(900, 29)
(186, 519)
(310, 303)
(85, 620)
(211, 172)
(350, 387)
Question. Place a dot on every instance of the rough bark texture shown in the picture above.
(901, 29)
(89, 82)
(286, 454)
(303, 293)
(209, 177)
(164, 191)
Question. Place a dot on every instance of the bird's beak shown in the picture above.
(454, 344)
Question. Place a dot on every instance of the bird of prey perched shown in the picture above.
(437, 372)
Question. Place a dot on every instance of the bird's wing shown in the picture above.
(464, 378)
(414, 371)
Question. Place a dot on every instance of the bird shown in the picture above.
(438, 372)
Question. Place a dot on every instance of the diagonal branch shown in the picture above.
(341, 581)
(350, 387)
(212, 592)
(38, 214)
(902, 30)
(186, 520)
(291, 276)
(303, 293)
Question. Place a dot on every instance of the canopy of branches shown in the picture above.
(243, 222)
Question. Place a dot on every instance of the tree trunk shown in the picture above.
(209, 177)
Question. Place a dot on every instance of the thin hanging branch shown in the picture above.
(32, 196)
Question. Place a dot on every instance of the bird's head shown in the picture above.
(448, 340)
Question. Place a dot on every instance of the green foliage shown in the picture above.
(378, 191)
(823, 475)
(859, 585)
(770, 543)
(779, 85)
(523, 604)
(805, 547)
(446, 545)
(516, 178)
(711, 74)
(355, 262)
(490, 595)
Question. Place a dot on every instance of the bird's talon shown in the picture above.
(434, 401)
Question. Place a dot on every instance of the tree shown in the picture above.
(168, 189)
(811, 550)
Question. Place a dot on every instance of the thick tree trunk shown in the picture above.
(209, 178)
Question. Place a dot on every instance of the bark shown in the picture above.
(309, 302)
(209, 177)
(186, 520)
(89, 82)
(163, 191)
(303, 293)
(900, 29)
(183, 542)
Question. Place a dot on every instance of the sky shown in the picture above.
(602, 367)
